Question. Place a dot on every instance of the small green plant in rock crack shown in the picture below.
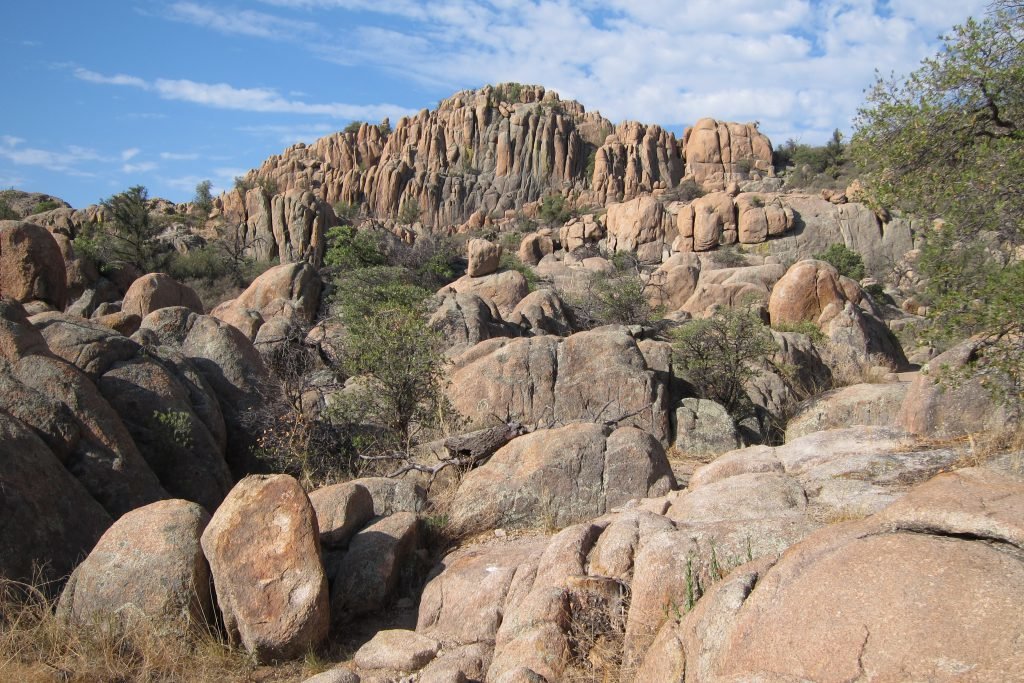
(174, 426)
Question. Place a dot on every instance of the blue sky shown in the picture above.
(104, 94)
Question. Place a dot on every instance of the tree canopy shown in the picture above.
(947, 142)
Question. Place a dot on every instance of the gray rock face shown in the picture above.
(562, 476)
(547, 380)
(704, 427)
(47, 518)
(148, 564)
(467, 319)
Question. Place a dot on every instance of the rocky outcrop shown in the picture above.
(548, 380)
(562, 476)
(467, 319)
(482, 257)
(777, 617)
(31, 265)
(874, 405)
(64, 407)
(542, 312)
(48, 520)
(640, 226)
(718, 152)
(271, 589)
(289, 226)
(158, 290)
(289, 292)
(170, 415)
(814, 291)
(227, 362)
(505, 289)
(148, 564)
(947, 400)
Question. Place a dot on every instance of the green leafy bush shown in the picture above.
(7, 213)
(128, 236)
(720, 354)
(846, 260)
(554, 210)
(350, 248)
(203, 199)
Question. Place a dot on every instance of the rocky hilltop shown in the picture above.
(499, 148)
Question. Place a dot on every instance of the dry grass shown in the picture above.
(848, 369)
(37, 645)
(985, 447)
(597, 628)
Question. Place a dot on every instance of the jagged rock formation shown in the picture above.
(494, 150)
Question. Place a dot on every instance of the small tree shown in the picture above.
(203, 199)
(554, 210)
(127, 236)
(410, 211)
(720, 354)
(846, 260)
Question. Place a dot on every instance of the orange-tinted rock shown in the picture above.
(263, 547)
(158, 290)
(31, 265)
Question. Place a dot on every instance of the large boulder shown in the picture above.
(31, 265)
(705, 428)
(467, 319)
(483, 257)
(548, 380)
(506, 288)
(947, 399)
(228, 363)
(148, 564)
(929, 589)
(638, 226)
(859, 404)
(271, 588)
(562, 476)
(48, 521)
(805, 291)
(290, 291)
(542, 312)
(158, 290)
(341, 510)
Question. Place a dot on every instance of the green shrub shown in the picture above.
(349, 248)
(554, 210)
(174, 426)
(846, 261)
(611, 299)
(346, 212)
(353, 127)
(47, 205)
(128, 236)
(720, 354)
(203, 200)
(729, 257)
(7, 213)
(804, 327)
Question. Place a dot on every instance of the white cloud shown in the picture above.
(264, 100)
(241, 22)
(67, 160)
(117, 79)
(141, 167)
(179, 156)
(129, 153)
(290, 134)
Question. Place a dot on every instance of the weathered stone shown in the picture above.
(31, 265)
(366, 577)
(704, 427)
(717, 152)
(158, 290)
(542, 312)
(943, 401)
(393, 495)
(397, 650)
(483, 257)
(505, 289)
(148, 564)
(48, 520)
(859, 404)
(341, 510)
(562, 476)
(271, 589)
(290, 291)
(534, 247)
(467, 319)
